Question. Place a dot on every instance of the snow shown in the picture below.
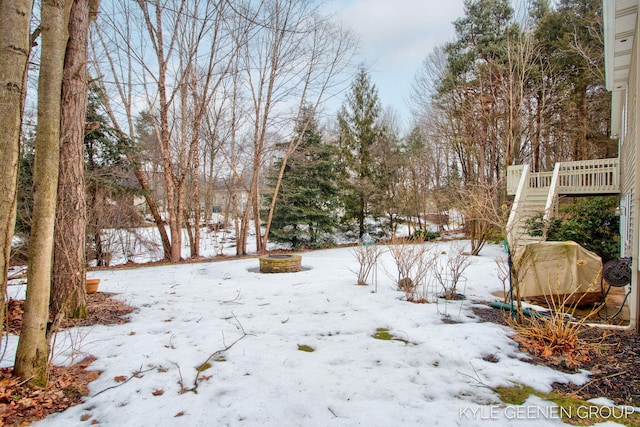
(188, 312)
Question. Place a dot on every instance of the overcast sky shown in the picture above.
(395, 37)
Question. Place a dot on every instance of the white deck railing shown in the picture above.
(552, 197)
(514, 215)
(599, 176)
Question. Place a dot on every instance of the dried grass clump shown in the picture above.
(558, 336)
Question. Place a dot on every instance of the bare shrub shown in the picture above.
(130, 243)
(503, 273)
(367, 257)
(450, 272)
(484, 214)
(413, 262)
(113, 227)
(521, 268)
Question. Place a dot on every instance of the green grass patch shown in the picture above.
(306, 348)
(515, 395)
(203, 367)
(572, 410)
(384, 335)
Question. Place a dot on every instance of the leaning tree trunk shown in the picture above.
(69, 297)
(14, 54)
(33, 348)
(153, 207)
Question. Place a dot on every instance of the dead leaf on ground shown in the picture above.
(20, 405)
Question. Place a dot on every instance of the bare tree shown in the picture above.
(330, 50)
(269, 60)
(163, 42)
(33, 348)
(202, 81)
(68, 296)
(114, 45)
(14, 54)
(484, 216)
(290, 57)
(245, 68)
(183, 55)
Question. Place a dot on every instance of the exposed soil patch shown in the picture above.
(614, 366)
(22, 405)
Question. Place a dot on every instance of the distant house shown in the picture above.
(225, 194)
(622, 52)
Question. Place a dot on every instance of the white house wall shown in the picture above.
(629, 175)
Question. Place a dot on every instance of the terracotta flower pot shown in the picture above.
(92, 285)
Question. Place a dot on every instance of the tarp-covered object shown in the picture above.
(565, 271)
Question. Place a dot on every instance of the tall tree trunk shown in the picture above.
(536, 167)
(188, 227)
(581, 141)
(126, 102)
(361, 216)
(68, 293)
(256, 222)
(175, 217)
(241, 239)
(195, 247)
(33, 348)
(14, 54)
(164, 102)
(252, 199)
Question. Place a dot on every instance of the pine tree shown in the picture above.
(571, 41)
(108, 178)
(359, 130)
(308, 200)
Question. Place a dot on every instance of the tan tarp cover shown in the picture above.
(564, 270)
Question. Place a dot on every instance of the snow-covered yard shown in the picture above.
(439, 376)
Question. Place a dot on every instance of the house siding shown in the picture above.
(630, 176)
(628, 160)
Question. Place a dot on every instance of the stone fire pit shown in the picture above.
(280, 263)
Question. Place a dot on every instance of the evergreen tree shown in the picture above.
(571, 43)
(389, 176)
(358, 132)
(306, 212)
(476, 88)
(110, 187)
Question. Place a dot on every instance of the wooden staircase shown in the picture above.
(532, 206)
(537, 193)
